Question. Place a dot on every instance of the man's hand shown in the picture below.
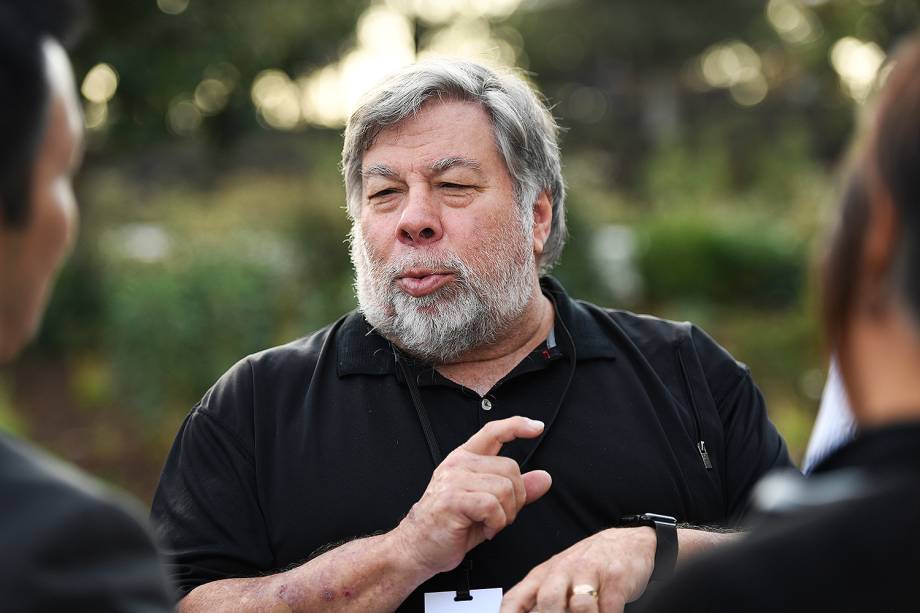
(472, 496)
(617, 563)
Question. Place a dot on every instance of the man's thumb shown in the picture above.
(536, 483)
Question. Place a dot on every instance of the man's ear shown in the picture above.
(878, 251)
(542, 221)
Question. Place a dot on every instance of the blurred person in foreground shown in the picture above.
(67, 543)
(385, 461)
(848, 537)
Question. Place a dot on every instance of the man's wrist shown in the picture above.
(666, 543)
(404, 554)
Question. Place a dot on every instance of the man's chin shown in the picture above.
(429, 304)
(429, 309)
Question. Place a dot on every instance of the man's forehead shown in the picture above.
(439, 137)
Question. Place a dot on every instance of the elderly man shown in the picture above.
(471, 427)
(68, 543)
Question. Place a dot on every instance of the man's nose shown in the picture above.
(420, 223)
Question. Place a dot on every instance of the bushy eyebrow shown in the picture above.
(454, 161)
(379, 170)
(438, 167)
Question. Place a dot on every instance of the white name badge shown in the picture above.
(484, 601)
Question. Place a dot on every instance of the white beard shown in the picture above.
(474, 309)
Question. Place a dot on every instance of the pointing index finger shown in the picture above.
(489, 440)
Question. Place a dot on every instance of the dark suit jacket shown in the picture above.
(69, 544)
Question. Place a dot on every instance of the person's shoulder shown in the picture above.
(660, 340)
(644, 328)
(40, 490)
(650, 334)
(587, 320)
(271, 377)
(37, 476)
(640, 327)
(304, 351)
(57, 520)
(297, 358)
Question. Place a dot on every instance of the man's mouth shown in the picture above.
(418, 282)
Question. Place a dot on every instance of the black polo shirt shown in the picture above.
(316, 442)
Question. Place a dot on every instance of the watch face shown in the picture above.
(661, 519)
(647, 519)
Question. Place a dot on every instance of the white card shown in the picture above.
(484, 601)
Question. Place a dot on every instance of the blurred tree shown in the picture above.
(161, 58)
(627, 76)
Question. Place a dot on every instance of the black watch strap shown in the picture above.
(666, 535)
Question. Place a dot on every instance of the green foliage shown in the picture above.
(93, 384)
(778, 345)
(173, 328)
(710, 259)
(252, 262)
(681, 176)
(160, 57)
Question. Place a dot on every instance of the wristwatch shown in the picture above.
(666, 534)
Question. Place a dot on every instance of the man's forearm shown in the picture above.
(472, 495)
(692, 541)
(369, 574)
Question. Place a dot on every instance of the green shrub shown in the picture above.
(174, 327)
(730, 263)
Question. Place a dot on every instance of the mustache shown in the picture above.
(441, 262)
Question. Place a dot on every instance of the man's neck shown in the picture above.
(885, 360)
(481, 368)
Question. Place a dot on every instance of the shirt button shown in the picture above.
(486, 404)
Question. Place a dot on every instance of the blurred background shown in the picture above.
(701, 147)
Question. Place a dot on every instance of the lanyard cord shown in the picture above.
(437, 456)
(463, 592)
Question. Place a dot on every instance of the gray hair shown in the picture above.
(525, 132)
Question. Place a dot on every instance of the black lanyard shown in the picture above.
(437, 456)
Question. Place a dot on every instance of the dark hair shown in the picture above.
(887, 166)
(24, 91)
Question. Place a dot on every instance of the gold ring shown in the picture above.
(585, 589)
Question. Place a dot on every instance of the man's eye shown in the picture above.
(384, 192)
(454, 186)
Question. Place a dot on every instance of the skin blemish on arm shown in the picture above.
(282, 606)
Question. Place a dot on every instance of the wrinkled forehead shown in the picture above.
(443, 134)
